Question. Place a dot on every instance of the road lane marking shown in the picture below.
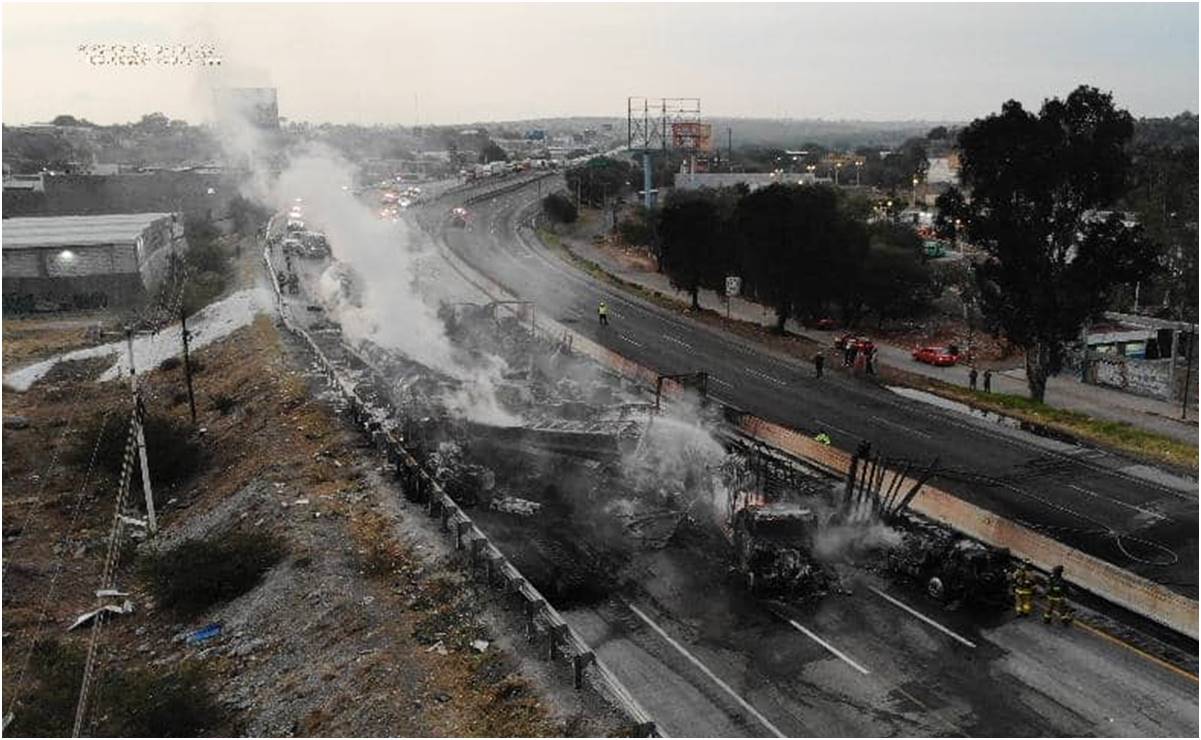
(922, 617)
(911, 430)
(765, 376)
(680, 342)
(833, 650)
(1094, 494)
(696, 662)
(719, 381)
(1122, 643)
(624, 338)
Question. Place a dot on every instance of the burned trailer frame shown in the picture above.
(951, 568)
(772, 546)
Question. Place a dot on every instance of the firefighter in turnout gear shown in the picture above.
(1023, 590)
(1056, 599)
(602, 313)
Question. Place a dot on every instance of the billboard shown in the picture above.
(692, 136)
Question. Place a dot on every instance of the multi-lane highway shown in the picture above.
(705, 659)
(1136, 517)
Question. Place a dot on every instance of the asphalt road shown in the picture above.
(1138, 518)
(707, 660)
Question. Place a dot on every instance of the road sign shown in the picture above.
(733, 285)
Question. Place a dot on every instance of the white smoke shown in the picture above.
(835, 542)
(394, 310)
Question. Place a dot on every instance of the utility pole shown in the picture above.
(1188, 371)
(730, 149)
(151, 523)
(187, 362)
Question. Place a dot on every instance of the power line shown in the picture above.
(52, 589)
(107, 578)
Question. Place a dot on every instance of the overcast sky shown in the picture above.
(454, 63)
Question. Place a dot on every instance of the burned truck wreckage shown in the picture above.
(581, 472)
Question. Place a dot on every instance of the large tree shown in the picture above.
(1037, 183)
(693, 243)
(599, 179)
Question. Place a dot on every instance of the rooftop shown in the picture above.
(78, 231)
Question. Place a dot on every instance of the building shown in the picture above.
(753, 180)
(75, 262)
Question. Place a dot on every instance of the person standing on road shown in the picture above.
(819, 362)
(988, 381)
(602, 314)
(869, 364)
(971, 378)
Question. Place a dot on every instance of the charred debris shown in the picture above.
(593, 474)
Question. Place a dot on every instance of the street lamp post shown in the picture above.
(837, 169)
(913, 194)
(858, 166)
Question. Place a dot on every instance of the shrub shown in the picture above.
(125, 703)
(173, 454)
(559, 209)
(196, 575)
(635, 231)
(223, 403)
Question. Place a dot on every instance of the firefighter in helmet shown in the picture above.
(1023, 590)
(1056, 598)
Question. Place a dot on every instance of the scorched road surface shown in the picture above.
(1135, 517)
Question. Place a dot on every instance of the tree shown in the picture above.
(893, 280)
(599, 178)
(1036, 183)
(798, 247)
(559, 208)
(692, 241)
(490, 152)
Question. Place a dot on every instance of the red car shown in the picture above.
(825, 323)
(940, 356)
(862, 344)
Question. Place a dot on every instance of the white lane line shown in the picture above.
(835, 651)
(1094, 494)
(624, 338)
(680, 342)
(922, 617)
(719, 381)
(765, 376)
(911, 430)
(680, 648)
(825, 424)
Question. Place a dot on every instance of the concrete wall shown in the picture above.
(1141, 377)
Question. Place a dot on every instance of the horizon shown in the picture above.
(461, 63)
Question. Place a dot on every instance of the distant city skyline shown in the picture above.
(462, 63)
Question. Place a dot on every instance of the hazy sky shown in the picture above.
(368, 63)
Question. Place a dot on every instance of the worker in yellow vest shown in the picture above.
(602, 313)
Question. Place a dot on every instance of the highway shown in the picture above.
(1141, 519)
(707, 660)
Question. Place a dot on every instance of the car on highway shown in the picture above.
(938, 356)
(825, 323)
(861, 344)
(459, 216)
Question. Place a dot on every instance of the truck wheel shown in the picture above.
(935, 588)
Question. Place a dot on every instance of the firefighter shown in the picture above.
(1056, 601)
(822, 437)
(1023, 590)
(602, 314)
(819, 362)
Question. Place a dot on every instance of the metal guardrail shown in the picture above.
(420, 486)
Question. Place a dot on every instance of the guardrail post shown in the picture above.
(531, 611)
(578, 664)
(477, 545)
(554, 635)
(444, 516)
(460, 529)
(433, 505)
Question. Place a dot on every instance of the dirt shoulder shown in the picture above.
(365, 627)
